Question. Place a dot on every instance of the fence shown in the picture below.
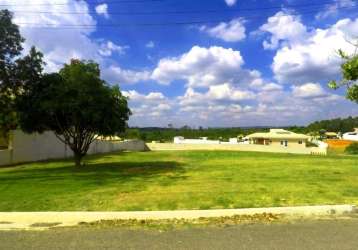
(38, 147)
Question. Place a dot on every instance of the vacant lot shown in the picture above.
(337, 146)
(180, 180)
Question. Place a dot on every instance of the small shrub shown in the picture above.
(352, 149)
(310, 144)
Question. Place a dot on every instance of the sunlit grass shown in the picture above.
(180, 180)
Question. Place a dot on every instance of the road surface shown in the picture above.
(327, 234)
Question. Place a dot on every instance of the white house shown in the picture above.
(351, 136)
(279, 137)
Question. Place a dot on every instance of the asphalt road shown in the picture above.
(332, 234)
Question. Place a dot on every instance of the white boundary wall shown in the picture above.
(237, 147)
(182, 140)
(38, 147)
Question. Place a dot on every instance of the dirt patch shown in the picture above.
(185, 223)
(5, 222)
(338, 144)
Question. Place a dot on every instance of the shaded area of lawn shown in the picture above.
(180, 180)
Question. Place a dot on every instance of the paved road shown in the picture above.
(340, 234)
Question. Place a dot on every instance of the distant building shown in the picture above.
(279, 137)
(331, 135)
(351, 136)
(233, 140)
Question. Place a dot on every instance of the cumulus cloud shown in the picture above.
(202, 67)
(230, 2)
(149, 109)
(333, 9)
(58, 45)
(232, 31)
(271, 87)
(217, 93)
(102, 10)
(227, 106)
(283, 27)
(154, 97)
(150, 44)
(220, 91)
(115, 74)
(308, 56)
(309, 90)
(108, 48)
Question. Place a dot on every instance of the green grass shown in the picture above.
(180, 180)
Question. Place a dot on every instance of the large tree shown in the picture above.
(76, 104)
(349, 70)
(15, 71)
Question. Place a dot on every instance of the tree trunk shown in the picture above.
(77, 158)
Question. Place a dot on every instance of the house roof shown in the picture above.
(331, 133)
(278, 134)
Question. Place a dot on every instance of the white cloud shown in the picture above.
(230, 2)
(102, 9)
(226, 92)
(58, 45)
(283, 27)
(220, 92)
(149, 109)
(202, 67)
(309, 90)
(150, 44)
(134, 96)
(271, 87)
(115, 74)
(232, 31)
(217, 93)
(228, 106)
(109, 47)
(308, 56)
(333, 9)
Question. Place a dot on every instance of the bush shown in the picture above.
(352, 149)
(311, 144)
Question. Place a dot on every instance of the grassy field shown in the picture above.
(170, 180)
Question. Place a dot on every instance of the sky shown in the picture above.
(212, 63)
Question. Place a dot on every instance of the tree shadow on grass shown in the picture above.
(99, 173)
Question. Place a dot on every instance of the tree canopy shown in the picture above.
(76, 104)
(349, 70)
(15, 72)
(334, 125)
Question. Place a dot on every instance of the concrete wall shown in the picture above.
(38, 147)
(236, 147)
(5, 157)
(3, 142)
(182, 140)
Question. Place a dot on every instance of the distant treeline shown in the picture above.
(167, 134)
(334, 125)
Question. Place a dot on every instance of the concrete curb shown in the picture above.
(27, 220)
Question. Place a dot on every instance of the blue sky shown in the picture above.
(233, 63)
